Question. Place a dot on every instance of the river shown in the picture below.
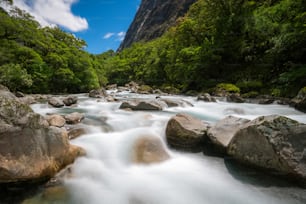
(106, 175)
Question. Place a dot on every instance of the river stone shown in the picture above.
(235, 98)
(56, 120)
(175, 102)
(153, 105)
(223, 131)
(299, 102)
(272, 142)
(97, 93)
(30, 150)
(186, 133)
(56, 102)
(76, 132)
(74, 118)
(27, 100)
(70, 100)
(206, 97)
(149, 149)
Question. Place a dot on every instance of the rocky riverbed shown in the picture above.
(153, 148)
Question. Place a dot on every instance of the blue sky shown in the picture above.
(108, 21)
(101, 23)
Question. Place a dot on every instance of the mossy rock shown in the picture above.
(223, 89)
(251, 94)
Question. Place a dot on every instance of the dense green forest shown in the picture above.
(44, 60)
(260, 46)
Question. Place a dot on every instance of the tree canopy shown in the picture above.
(257, 45)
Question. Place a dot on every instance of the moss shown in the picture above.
(231, 88)
(251, 94)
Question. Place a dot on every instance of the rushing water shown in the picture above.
(108, 176)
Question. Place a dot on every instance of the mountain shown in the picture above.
(153, 18)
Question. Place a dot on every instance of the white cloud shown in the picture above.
(118, 36)
(121, 35)
(54, 12)
(108, 35)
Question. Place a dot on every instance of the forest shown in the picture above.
(257, 46)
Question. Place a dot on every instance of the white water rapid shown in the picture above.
(106, 175)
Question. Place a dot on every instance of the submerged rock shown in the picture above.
(149, 149)
(186, 133)
(76, 132)
(30, 150)
(272, 142)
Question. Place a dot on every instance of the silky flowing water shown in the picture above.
(106, 175)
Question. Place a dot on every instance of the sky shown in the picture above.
(101, 23)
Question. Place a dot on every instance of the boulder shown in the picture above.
(236, 98)
(186, 133)
(274, 143)
(266, 101)
(27, 100)
(55, 102)
(148, 150)
(56, 120)
(145, 89)
(97, 93)
(299, 102)
(153, 105)
(30, 150)
(221, 133)
(132, 86)
(206, 97)
(70, 100)
(74, 118)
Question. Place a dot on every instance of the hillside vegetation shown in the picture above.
(44, 60)
(259, 46)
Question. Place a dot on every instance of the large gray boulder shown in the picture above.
(186, 133)
(152, 105)
(272, 142)
(30, 150)
(299, 102)
(223, 131)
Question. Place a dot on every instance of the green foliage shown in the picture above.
(258, 45)
(231, 88)
(14, 77)
(51, 59)
(248, 86)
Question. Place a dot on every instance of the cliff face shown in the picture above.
(153, 18)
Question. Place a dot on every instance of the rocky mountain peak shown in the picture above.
(153, 18)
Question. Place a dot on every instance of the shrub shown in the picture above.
(227, 87)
